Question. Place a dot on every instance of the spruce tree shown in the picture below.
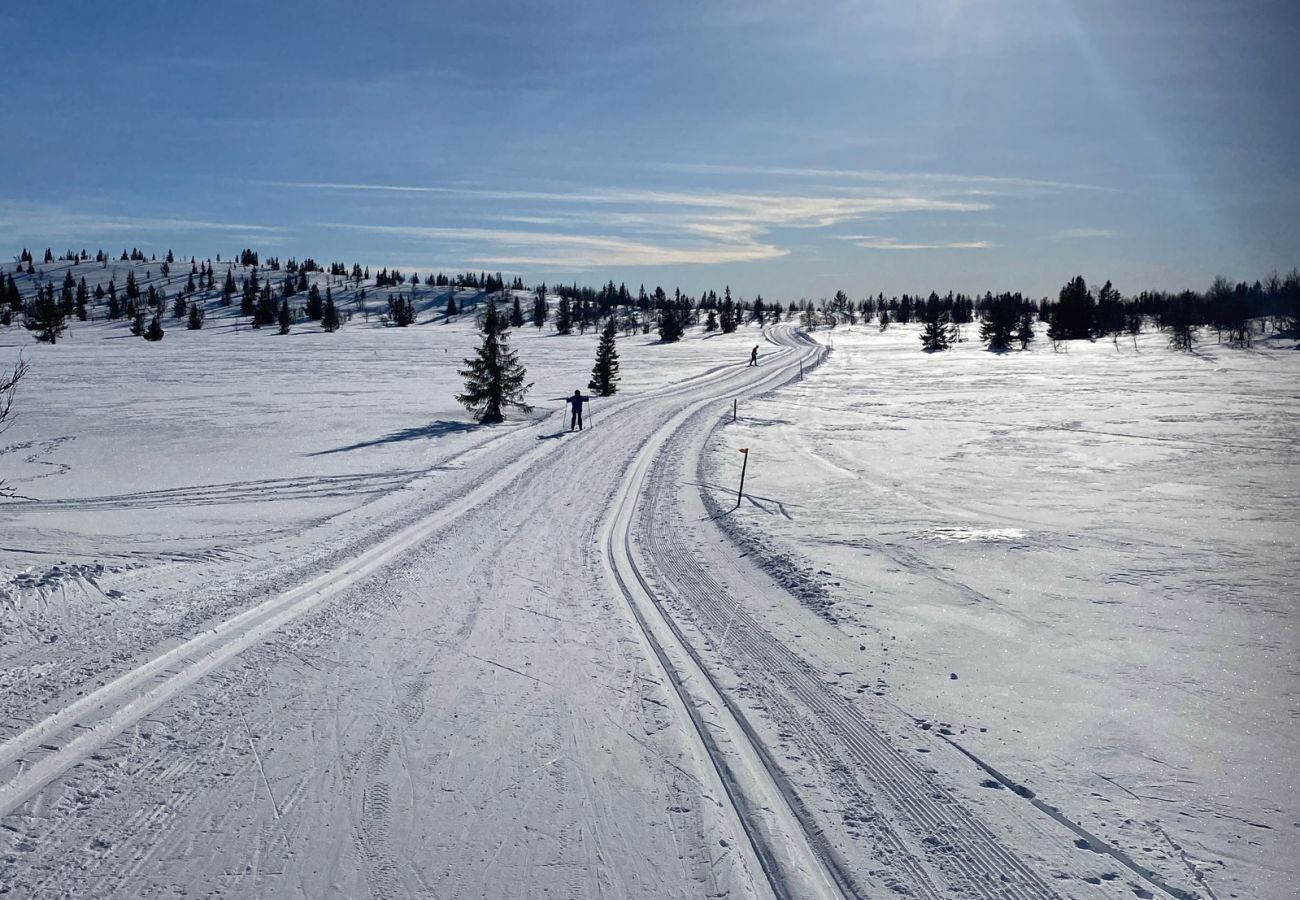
(451, 303)
(517, 315)
(137, 323)
(539, 308)
(13, 296)
(401, 311)
(564, 317)
(999, 322)
(1025, 329)
(604, 374)
(315, 305)
(936, 333)
(711, 322)
(285, 318)
(45, 317)
(329, 319)
(155, 331)
(197, 316)
(494, 377)
(670, 326)
(1075, 315)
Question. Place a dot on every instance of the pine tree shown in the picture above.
(494, 377)
(45, 317)
(604, 374)
(13, 296)
(315, 306)
(197, 315)
(285, 318)
(329, 319)
(401, 311)
(539, 308)
(181, 306)
(451, 303)
(936, 333)
(1075, 315)
(711, 322)
(517, 315)
(1025, 329)
(228, 288)
(137, 323)
(999, 321)
(564, 317)
(155, 331)
(670, 326)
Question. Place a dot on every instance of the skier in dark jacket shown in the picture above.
(753, 356)
(575, 404)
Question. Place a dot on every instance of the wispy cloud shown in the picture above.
(51, 223)
(596, 228)
(1076, 234)
(577, 251)
(878, 242)
(972, 183)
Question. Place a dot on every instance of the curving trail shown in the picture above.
(538, 688)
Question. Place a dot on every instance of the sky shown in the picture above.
(790, 149)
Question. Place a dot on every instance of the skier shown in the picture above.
(575, 403)
(753, 356)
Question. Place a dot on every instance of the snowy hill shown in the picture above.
(280, 619)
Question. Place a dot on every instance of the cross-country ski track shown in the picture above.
(456, 712)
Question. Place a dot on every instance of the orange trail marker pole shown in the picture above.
(743, 466)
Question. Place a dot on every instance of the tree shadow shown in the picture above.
(419, 432)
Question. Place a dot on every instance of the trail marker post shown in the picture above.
(740, 493)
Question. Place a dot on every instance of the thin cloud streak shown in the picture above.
(871, 242)
(577, 251)
(1073, 234)
(884, 176)
(655, 228)
(56, 223)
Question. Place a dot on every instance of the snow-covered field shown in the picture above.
(279, 622)
(1079, 567)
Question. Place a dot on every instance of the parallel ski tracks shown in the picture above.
(948, 839)
(67, 736)
(972, 860)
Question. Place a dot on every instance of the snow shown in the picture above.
(280, 621)
(1098, 543)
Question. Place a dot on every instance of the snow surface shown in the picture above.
(1098, 544)
(280, 622)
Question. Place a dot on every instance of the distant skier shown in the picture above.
(753, 356)
(575, 404)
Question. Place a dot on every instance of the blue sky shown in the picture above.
(790, 149)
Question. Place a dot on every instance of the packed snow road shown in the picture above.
(554, 683)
